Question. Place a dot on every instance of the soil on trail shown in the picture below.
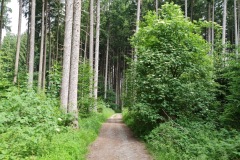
(116, 142)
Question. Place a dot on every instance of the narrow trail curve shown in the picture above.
(116, 142)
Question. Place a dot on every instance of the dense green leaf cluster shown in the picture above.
(173, 70)
(231, 113)
(26, 121)
(193, 140)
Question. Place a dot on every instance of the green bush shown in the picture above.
(74, 144)
(173, 73)
(193, 140)
(26, 120)
(231, 113)
(32, 127)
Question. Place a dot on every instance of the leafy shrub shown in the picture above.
(74, 144)
(32, 127)
(193, 140)
(26, 120)
(173, 70)
(231, 111)
(55, 76)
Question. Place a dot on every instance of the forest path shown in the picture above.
(116, 142)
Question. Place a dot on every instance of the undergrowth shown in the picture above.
(32, 127)
(185, 140)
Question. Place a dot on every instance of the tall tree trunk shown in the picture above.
(138, 15)
(97, 55)
(192, 5)
(209, 28)
(209, 19)
(224, 25)
(1, 22)
(28, 36)
(32, 44)
(73, 88)
(57, 37)
(156, 7)
(50, 48)
(238, 11)
(85, 47)
(106, 68)
(45, 50)
(186, 8)
(213, 19)
(66, 54)
(40, 72)
(18, 42)
(236, 26)
(91, 46)
(137, 24)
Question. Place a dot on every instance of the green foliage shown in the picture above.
(231, 111)
(173, 70)
(85, 103)
(7, 57)
(74, 144)
(181, 140)
(55, 76)
(32, 127)
(193, 140)
(26, 121)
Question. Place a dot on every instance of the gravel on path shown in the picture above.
(116, 142)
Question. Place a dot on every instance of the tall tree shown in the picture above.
(45, 48)
(1, 21)
(156, 5)
(32, 44)
(213, 19)
(106, 68)
(91, 45)
(66, 54)
(209, 19)
(73, 85)
(236, 26)
(40, 73)
(137, 23)
(97, 54)
(138, 14)
(186, 8)
(224, 25)
(18, 42)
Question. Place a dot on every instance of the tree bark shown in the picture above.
(138, 15)
(224, 25)
(73, 87)
(45, 50)
(66, 55)
(32, 44)
(192, 5)
(209, 19)
(40, 72)
(97, 56)
(156, 7)
(85, 47)
(106, 68)
(18, 42)
(186, 8)
(1, 22)
(137, 24)
(236, 27)
(91, 46)
(213, 19)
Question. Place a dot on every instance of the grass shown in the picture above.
(72, 144)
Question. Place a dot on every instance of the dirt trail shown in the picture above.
(116, 142)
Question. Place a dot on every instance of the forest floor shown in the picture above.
(116, 142)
